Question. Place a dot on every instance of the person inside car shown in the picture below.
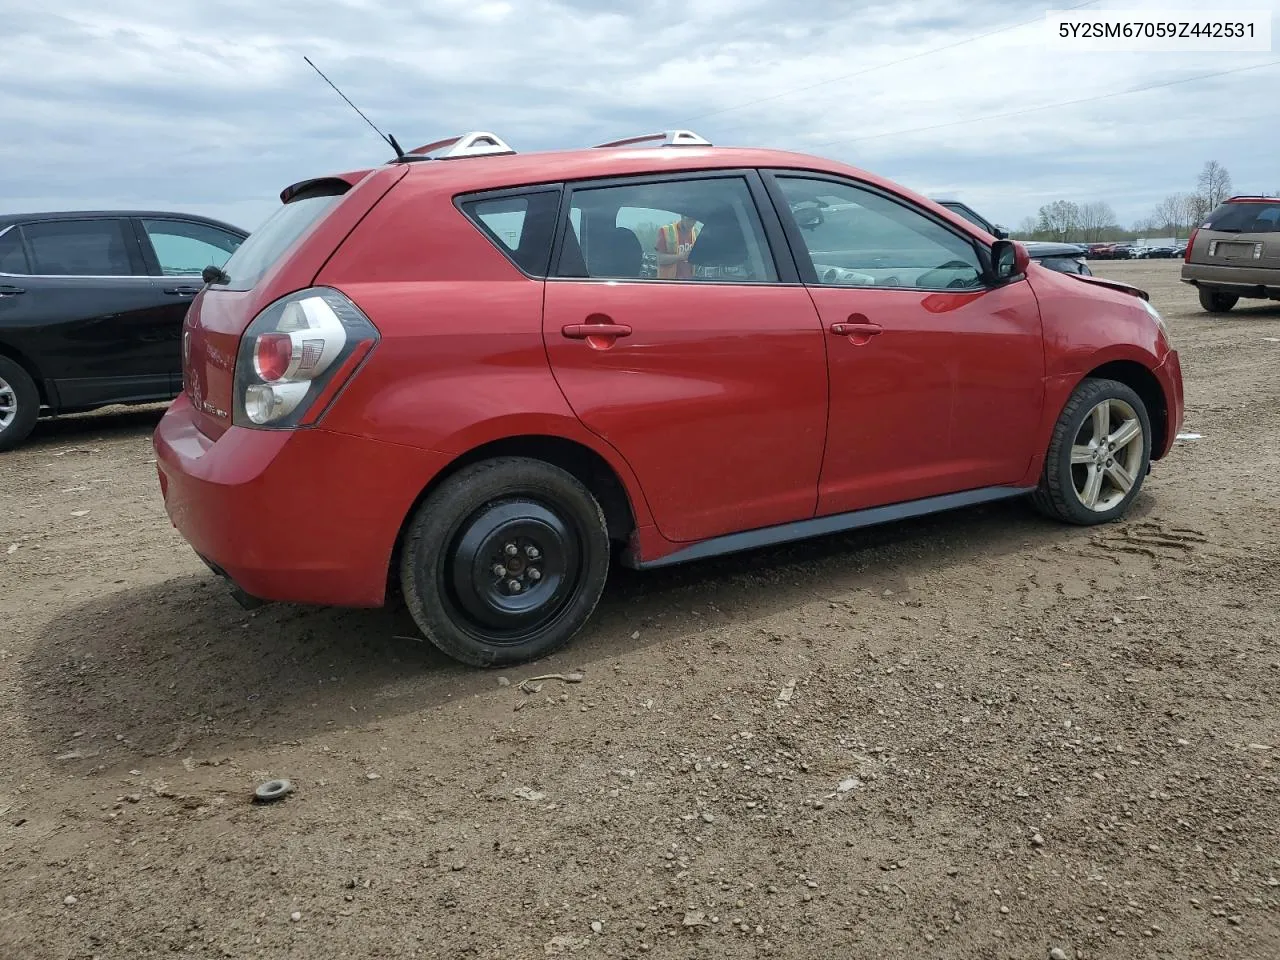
(673, 245)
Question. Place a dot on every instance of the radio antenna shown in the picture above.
(387, 137)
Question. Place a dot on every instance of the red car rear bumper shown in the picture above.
(304, 516)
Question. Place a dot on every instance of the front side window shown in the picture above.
(703, 229)
(79, 248)
(858, 238)
(184, 248)
(522, 225)
(13, 259)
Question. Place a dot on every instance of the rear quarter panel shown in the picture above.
(461, 361)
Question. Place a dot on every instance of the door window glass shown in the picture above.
(857, 238)
(184, 248)
(694, 230)
(13, 259)
(79, 248)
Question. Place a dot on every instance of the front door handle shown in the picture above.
(182, 291)
(856, 329)
(582, 331)
(9, 290)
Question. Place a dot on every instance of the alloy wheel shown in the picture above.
(8, 404)
(1106, 457)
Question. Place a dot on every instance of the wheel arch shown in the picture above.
(1144, 383)
(583, 462)
(9, 351)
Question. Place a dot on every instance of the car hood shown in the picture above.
(1113, 284)
(1042, 248)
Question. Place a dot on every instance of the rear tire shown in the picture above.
(19, 404)
(1098, 455)
(505, 561)
(1215, 301)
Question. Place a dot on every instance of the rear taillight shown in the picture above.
(295, 354)
(272, 353)
(1191, 242)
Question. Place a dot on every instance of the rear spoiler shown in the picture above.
(1113, 284)
(335, 184)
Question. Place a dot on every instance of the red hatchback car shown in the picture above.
(482, 376)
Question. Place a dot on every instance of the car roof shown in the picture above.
(552, 166)
(513, 170)
(7, 219)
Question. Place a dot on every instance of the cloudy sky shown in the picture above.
(210, 107)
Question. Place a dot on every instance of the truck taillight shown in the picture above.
(1191, 242)
(294, 353)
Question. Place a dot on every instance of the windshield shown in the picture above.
(267, 244)
(1260, 217)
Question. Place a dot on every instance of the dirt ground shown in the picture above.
(1005, 739)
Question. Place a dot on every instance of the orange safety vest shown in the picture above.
(671, 234)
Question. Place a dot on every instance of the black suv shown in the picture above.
(91, 308)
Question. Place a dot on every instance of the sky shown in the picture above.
(210, 108)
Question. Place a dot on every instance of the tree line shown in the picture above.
(1174, 216)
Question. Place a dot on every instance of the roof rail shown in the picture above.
(668, 138)
(1251, 196)
(477, 143)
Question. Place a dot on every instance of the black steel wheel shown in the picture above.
(505, 561)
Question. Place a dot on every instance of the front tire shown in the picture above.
(505, 561)
(1098, 455)
(1215, 301)
(19, 404)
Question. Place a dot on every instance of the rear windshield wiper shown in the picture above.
(214, 274)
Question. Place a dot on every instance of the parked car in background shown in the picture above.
(91, 308)
(451, 373)
(1235, 253)
(1063, 257)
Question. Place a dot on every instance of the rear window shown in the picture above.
(268, 243)
(1248, 217)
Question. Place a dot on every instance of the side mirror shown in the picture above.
(213, 274)
(1008, 260)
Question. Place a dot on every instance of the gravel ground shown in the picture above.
(975, 735)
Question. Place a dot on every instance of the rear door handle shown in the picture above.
(856, 329)
(581, 331)
(9, 290)
(182, 291)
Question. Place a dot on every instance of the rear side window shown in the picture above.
(1260, 217)
(699, 229)
(264, 246)
(521, 225)
(13, 259)
(79, 248)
